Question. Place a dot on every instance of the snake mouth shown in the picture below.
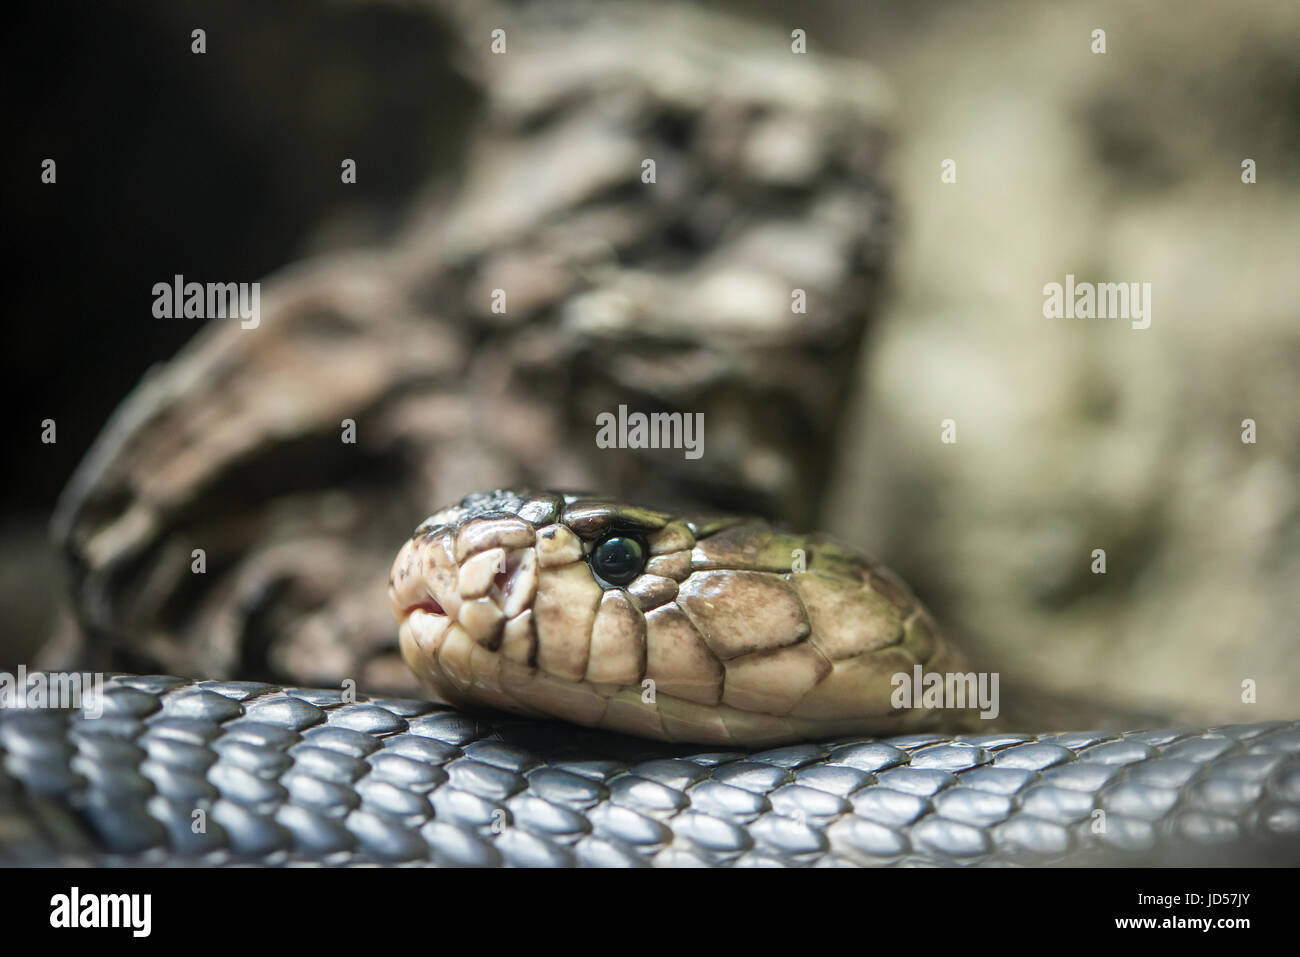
(429, 606)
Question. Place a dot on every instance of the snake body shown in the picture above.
(295, 775)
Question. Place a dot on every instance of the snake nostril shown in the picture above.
(507, 574)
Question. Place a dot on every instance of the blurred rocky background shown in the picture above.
(1087, 433)
(214, 166)
(1072, 434)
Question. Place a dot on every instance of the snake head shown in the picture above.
(687, 627)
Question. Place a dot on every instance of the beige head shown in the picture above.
(679, 627)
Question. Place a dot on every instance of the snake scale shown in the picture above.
(741, 701)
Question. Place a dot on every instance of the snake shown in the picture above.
(662, 673)
(727, 693)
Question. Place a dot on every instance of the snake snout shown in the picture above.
(459, 591)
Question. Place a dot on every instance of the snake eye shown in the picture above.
(618, 559)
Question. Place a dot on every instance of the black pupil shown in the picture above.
(618, 560)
